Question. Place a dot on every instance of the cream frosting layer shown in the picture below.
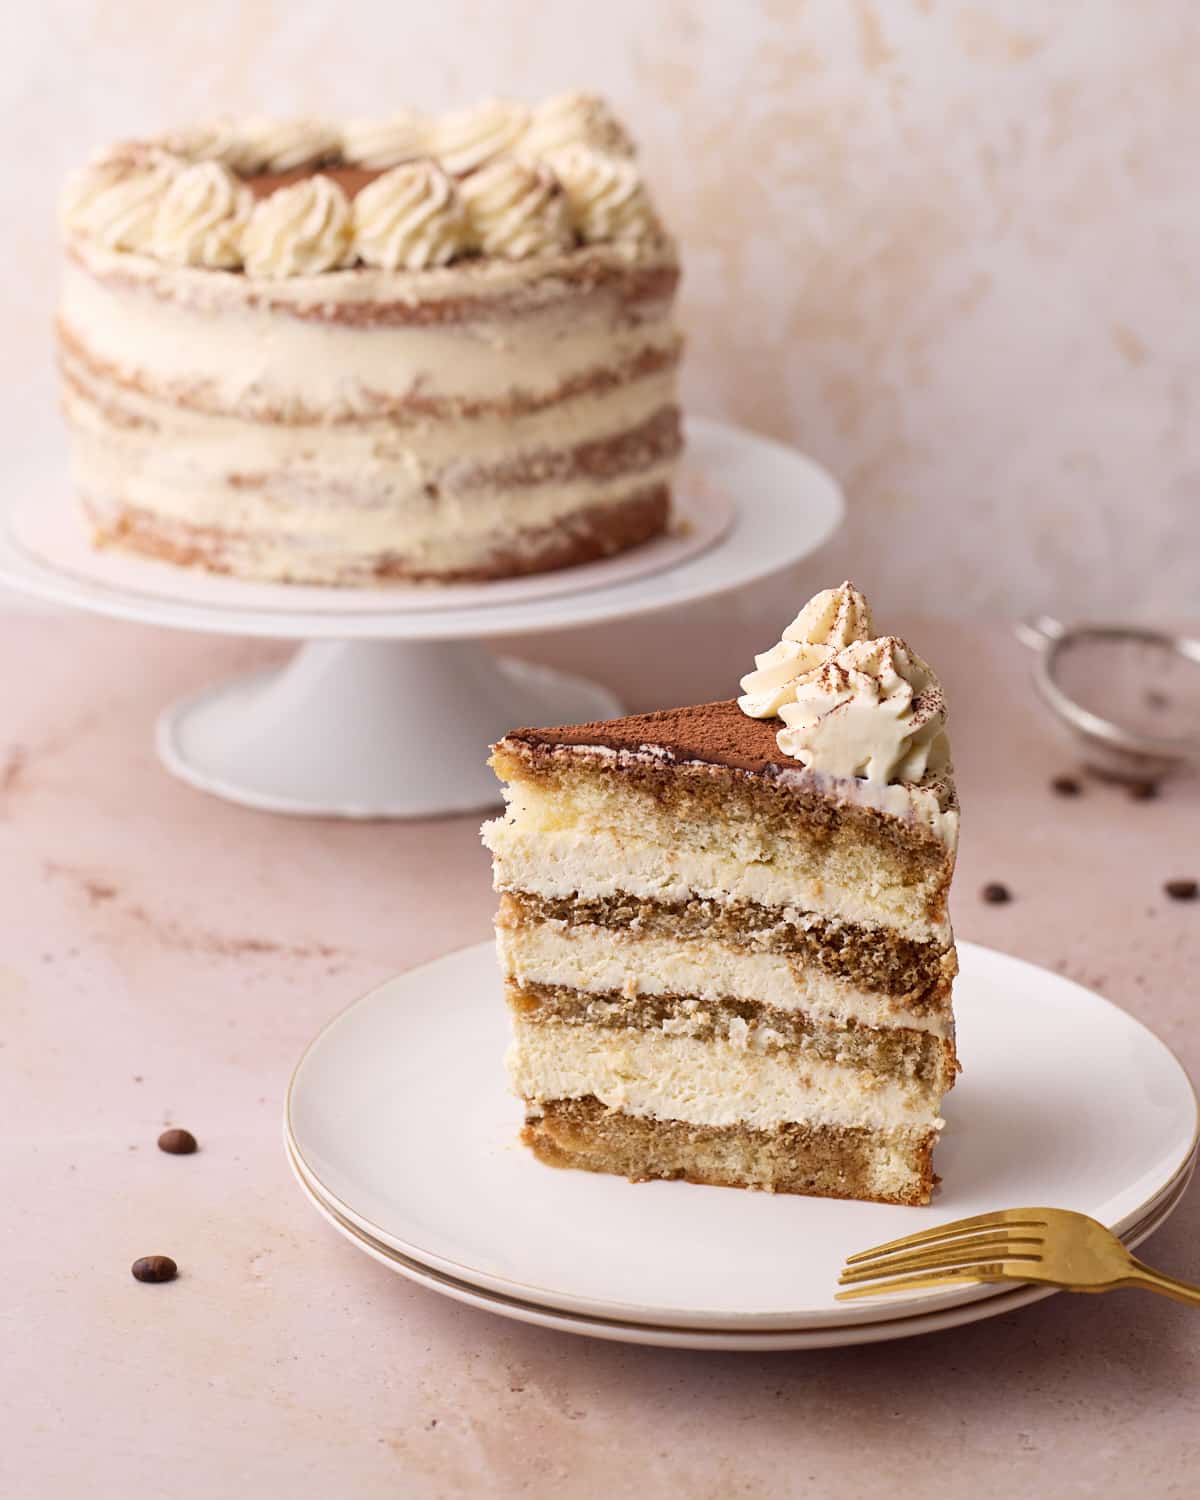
(291, 438)
(706, 1083)
(320, 494)
(251, 361)
(511, 285)
(592, 861)
(281, 538)
(448, 451)
(601, 961)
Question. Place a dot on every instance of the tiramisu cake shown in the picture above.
(724, 931)
(412, 348)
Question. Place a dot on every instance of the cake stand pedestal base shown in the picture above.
(368, 729)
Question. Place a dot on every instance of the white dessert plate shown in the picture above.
(664, 1336)
(401, 1125)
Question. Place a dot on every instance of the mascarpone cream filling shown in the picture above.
(596, 863)
(706, 1083)
(445, 449)
(598, 960)
(405, 521)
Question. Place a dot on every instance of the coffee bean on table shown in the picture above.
(1182, 890)
(154, 1268)
(995, 893)
(177, 1142)
(1143, 791)
(1066, 786)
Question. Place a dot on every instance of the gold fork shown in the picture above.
(1050, 1245)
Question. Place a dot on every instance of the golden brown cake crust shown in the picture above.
(822, 1161)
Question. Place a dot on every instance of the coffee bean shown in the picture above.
(1143, 791)
(1066, 786)
(996, 894)
(154, 1268)
(1182, 890)
(177, 1142)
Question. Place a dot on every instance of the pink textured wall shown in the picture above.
(950, 248)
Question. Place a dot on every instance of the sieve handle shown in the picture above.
(1040, 631)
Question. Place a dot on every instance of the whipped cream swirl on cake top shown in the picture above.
(605, 194)
(542, 182)
(410, 218)
(211, 140)
(201, 218)
(465, 141)
(386, 143)
(575, 119)
(299, 230)
(517, 208)
(263, 145)
(114, 200)
(852, 703)
(830, 620)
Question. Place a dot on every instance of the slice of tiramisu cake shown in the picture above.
(724, 928)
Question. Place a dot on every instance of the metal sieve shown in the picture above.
(1130, 697)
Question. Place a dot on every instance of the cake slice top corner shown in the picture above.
(832, 713)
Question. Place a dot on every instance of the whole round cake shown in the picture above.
(416, 348)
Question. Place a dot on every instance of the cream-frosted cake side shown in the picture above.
(345, 356)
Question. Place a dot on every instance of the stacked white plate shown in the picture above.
(402, 1133)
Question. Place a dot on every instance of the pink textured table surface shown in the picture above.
(165, 959)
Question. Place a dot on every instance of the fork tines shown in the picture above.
(983, 1248)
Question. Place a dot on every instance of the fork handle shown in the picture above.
(1157, 1281)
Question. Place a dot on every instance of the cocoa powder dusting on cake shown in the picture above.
(718, 733)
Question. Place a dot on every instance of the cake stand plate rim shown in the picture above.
(771, 483)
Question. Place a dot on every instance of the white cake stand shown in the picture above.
(386, 711)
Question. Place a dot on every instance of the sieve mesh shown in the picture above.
(1143, 685)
